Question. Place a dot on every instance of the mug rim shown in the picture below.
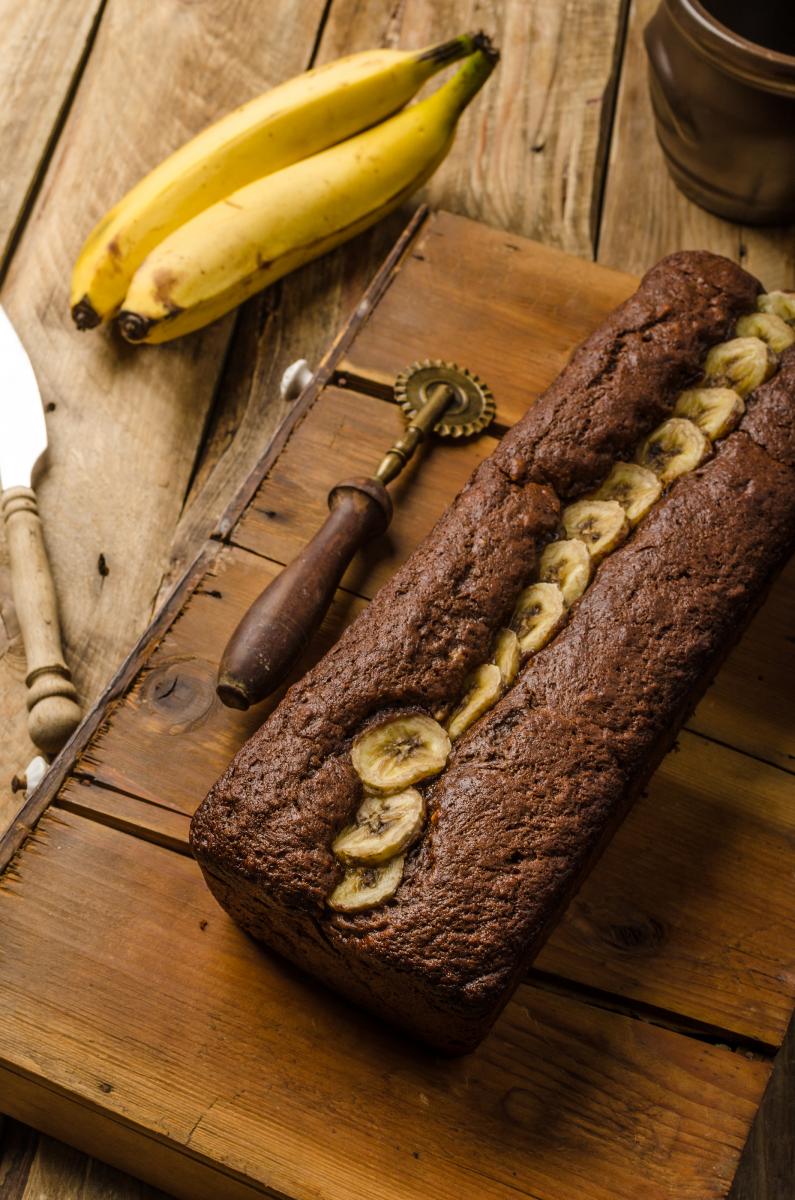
(732, 53)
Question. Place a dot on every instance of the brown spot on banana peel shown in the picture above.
(163, 283)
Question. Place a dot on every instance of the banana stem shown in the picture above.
(456, 94)
(449, 52)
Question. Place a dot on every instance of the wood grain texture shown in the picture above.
(35, 1167)
(767, 1166)
(509, 309)
(40, 62)
(527, 152)
(173, 705)
(124, 424)
(674, 915)
(644, 214)
(197, 1037)
(526, 158)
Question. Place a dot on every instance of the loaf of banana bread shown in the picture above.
(412, 819)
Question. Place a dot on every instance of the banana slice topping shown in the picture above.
(539, 610)
(399, 752)
(367, 887)
(716, 410)
(384, 826)
(741, 364)
(600, 524)
(782, 304)
(483, 688)
(769, 327)
(634, 487)
(673, 448)
(507, 656)
(568, 564)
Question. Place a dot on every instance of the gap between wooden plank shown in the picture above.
(72, 1099)
(81, 776)
(700, 1031)
(37, 178)
(609, 110)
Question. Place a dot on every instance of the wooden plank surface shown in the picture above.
(124, 424)
(40, 63)
(519, 307)
(173, 703)
(237, 1057)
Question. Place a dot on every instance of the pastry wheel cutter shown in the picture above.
(436, 397)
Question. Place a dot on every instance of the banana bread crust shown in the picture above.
(532, 791)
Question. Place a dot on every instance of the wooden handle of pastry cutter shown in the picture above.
(53, 710)
(282, 620)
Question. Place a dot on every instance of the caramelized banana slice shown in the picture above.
(634, 488)
(716, 410)
(367, 887)
(675, 447)
(568, 564)
(782, 304)
(600, 524)
(400, 751)
(507, 656)
(742, 364)
(384, 826)
(537, 615)
(769, 327)
(483, 688)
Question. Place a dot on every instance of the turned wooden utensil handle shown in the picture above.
(53, 711)
(284, 617)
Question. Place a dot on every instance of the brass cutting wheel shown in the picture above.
(469, 413)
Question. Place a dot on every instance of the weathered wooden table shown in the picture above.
(147, 447)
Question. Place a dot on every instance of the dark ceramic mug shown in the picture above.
(722, 78)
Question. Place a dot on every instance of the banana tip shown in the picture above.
(481, 41)
(133, 326)
(84, 315)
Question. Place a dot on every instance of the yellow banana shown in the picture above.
(261, 232)
(283, 126)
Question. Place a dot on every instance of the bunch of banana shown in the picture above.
(271, 186)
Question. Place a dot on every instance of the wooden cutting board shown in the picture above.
(138, 1023)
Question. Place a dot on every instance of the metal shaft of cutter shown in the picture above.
(440, 397)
